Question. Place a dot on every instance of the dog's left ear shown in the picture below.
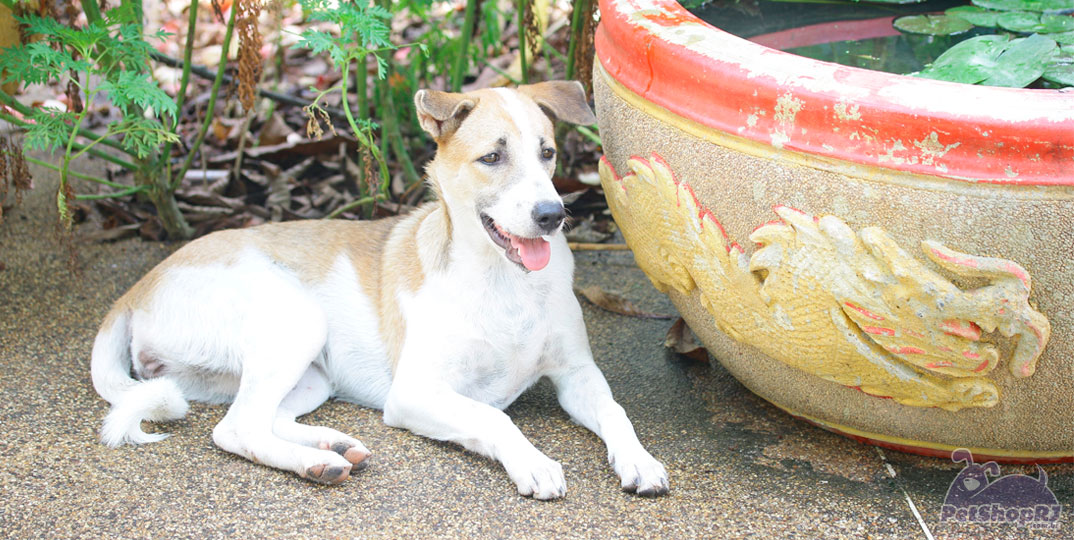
(561, 100)
(441, 113)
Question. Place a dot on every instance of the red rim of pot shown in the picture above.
(665, 54)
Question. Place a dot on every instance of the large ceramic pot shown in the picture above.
(907, 278)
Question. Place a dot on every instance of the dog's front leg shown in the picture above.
(433, 409)
(584, 394)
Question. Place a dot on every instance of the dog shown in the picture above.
(441, 317)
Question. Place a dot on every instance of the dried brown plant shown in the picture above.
(250, 41)
(14, 173)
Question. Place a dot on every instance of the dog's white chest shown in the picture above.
(488, 337)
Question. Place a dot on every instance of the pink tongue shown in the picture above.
(534, 252)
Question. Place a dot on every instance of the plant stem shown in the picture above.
(65, 166)
(180, 98)
(353, 204)
(345, 72)
(462, 58)
(362, 138)
(502, 73)
(211, 107)
(93, 13)
(581, 9)
(361, 87)
(390, 120)
(522, 39)
(588, 133)
(549, 49)
(82, 176)
(113, 195)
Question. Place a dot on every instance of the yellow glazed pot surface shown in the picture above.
(923, 311)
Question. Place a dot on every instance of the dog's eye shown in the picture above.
(490, 158)
(548, 153)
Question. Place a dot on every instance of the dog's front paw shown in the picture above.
(641, 474)
(538, 477)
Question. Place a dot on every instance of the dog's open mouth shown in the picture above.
(530, 253)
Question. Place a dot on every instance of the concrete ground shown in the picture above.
(738, 466)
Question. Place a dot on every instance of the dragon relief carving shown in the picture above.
(855, 309)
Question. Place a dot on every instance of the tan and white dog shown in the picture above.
(441, 317)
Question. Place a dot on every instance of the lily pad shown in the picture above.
(1045, 6)
(978, 16)
(1023, 62)
(1063, 38)
(1060, 70)
(969, 62)
(933, 25)
(1025, 22)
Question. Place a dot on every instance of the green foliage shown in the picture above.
(129, 88)
(50, 129)
(996, 59)
(934, 25)
(104, 61)
(110, 50)
(984, 18)
(1046, 6)
(143, 136)
(363, 29)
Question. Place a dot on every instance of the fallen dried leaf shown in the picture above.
(615, 303)
(275, 131)
(683, 341)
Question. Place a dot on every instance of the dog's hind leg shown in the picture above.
(279, 343)
(311, 391)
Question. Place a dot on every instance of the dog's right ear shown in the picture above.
(441, 113)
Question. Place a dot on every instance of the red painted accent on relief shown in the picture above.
(961, 261)
(906, 350)
(863, 311)
(963, 329)
(878, 330)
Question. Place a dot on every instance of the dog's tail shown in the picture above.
(132, 401)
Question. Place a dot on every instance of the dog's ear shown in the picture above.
(561, 100)
(440, 113)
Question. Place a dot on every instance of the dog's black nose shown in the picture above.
(548, 215)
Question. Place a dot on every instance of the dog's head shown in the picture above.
(496, 151)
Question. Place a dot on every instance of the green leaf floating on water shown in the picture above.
(1021, 21)
(978, 16)
(1063, 38)
(1023, 62)
(933, 25)
(994, 61)
(969, 62)
(1047, 6)
(1060, 69)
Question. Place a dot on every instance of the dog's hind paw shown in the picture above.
(355, 453)
(328, 474)
(643, 476)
